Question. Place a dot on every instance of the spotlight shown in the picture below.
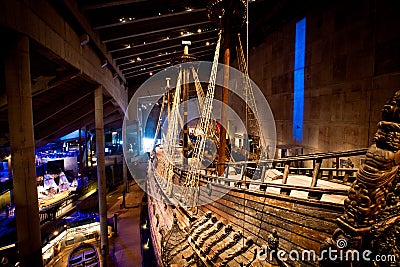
(84, 38)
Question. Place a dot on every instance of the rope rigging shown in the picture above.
(252, 117)
(172, 136)
(193, 175)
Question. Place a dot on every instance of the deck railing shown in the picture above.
(253, 175)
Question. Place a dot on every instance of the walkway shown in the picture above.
(125, 248)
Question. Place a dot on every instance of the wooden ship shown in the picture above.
(264, 211)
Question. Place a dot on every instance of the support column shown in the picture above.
(87, 148)
(20, 118)
(101, 172)
(80, 157)
(125, 174)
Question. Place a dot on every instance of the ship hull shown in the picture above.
(301, 223)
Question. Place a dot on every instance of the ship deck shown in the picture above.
(300, 181)
(274, 181)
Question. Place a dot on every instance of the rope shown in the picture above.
(171, 140)
(159, 121)
(192, 178)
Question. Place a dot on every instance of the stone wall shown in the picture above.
(352, 68)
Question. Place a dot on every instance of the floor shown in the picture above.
(125, 247)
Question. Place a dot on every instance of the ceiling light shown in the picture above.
(151, 73)
(181, 33)
(132, 60)
(84, 38)
(104, 63)
(127, 46)
(188, 9)
(159, 13)
(138, 59)
(199, 30)
(207, 43)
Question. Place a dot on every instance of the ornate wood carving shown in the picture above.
(371, 220)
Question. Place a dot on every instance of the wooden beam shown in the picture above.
(161, 49)
(165, 65)
(62, 44)
(148, 19)
(108, 111)
(78, 120)
(195, 34)
(156, 31)
(146, 64)
(206, 49)
(36, 91)
(74, 9)
(63, 103)
(111, 4)
(54, 126)
(54, 84)
(131, 75)
(149, 59)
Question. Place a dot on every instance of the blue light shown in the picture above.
(73, 135)
(299, 63)
(300, 45)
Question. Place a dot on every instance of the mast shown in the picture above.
(168, 99)
(186, 57)
(230, 15)
(185, 99)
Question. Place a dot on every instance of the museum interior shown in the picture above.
(199, 133)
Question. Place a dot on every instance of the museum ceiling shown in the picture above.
(140, 37)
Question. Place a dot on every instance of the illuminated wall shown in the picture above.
(298, 81)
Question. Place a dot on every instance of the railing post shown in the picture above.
(263, 171)
(337, 167)
(316, 172)
(285, 191)
(286, 172)
(242, 172)
(227, 171)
